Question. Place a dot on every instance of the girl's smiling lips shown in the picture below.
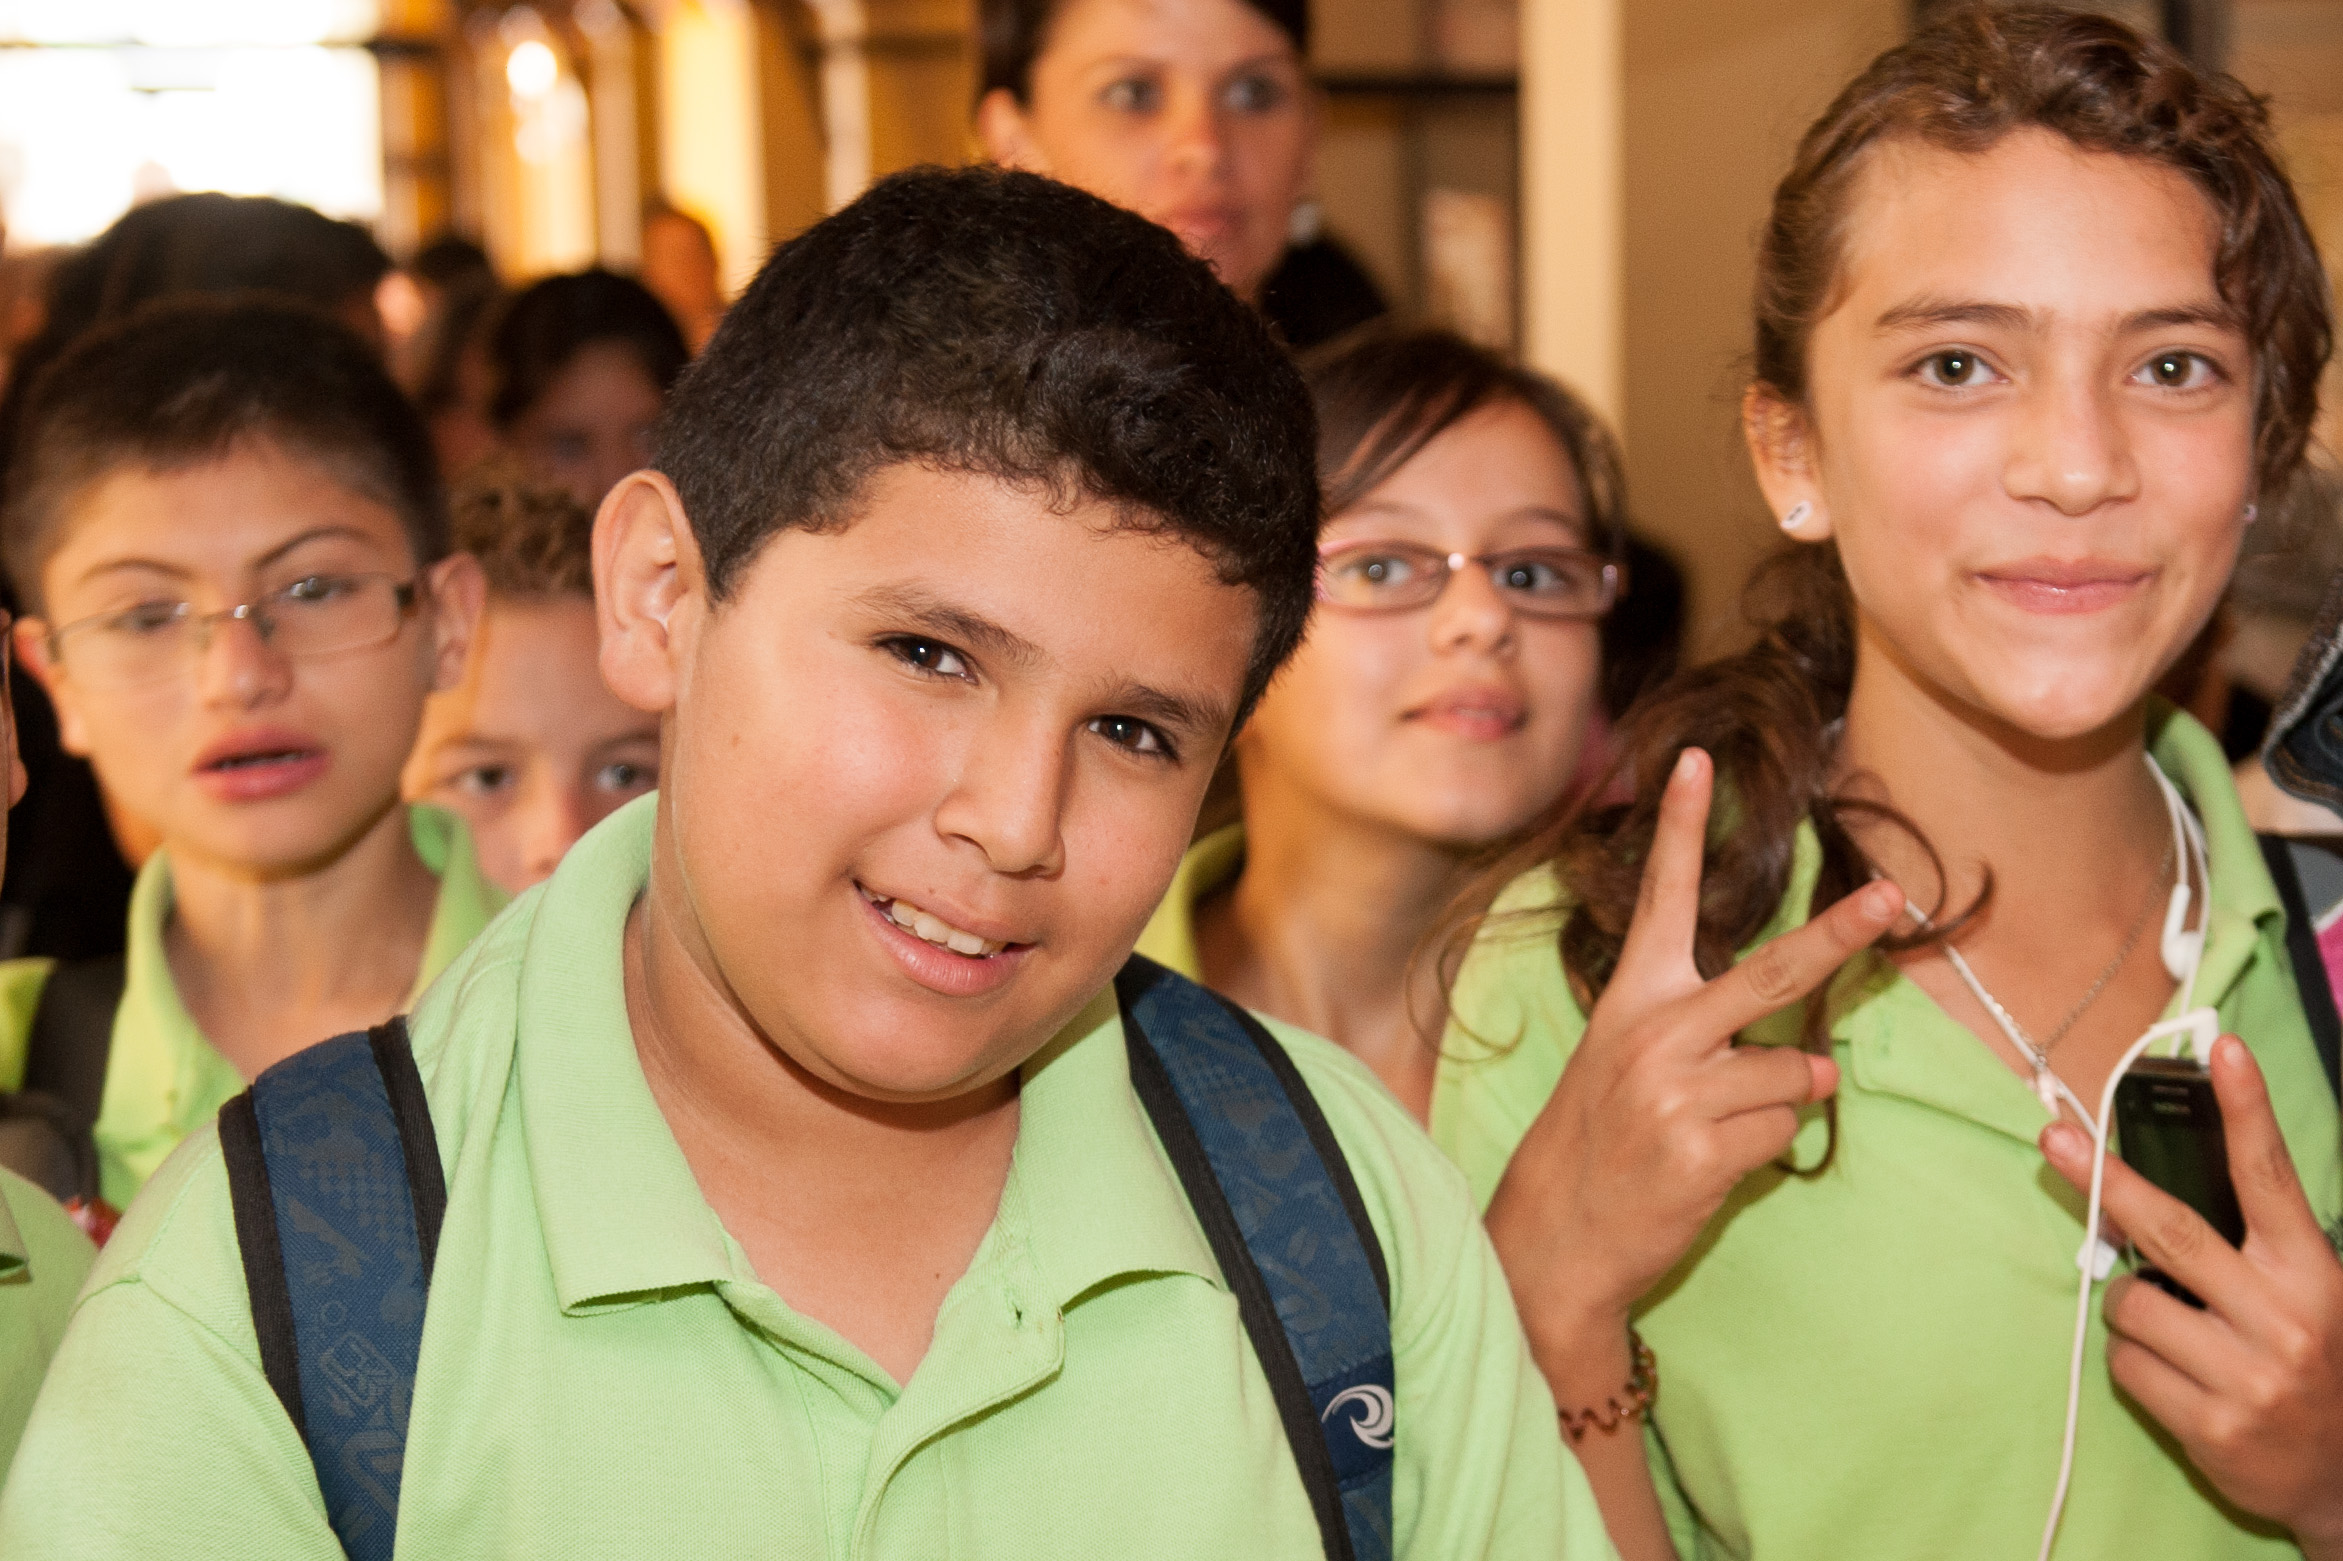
(2061, 586)
(1480, 714)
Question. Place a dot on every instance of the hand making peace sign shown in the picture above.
(1658, 1114)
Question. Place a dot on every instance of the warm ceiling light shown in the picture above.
(531, 70)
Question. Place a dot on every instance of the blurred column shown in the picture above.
(844, 27)
(418, 172)
(1573, 196)
(611, 106)
(711, 137)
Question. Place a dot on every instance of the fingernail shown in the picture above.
(1687, 762)
(2062, 1140)
(1880, 900)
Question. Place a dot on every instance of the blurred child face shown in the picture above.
(593, 423)
(925, 777)
(2031, 428)
(532, 750)
(1196, 114)
(1456, 722)
(237, 752)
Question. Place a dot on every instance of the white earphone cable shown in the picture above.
(2199, 1027)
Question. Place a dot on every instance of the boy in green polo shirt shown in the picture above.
(225, 526)
(798, 1198)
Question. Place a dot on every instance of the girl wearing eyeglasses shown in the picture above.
(1438, 707)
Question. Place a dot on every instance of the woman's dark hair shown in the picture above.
(548, 323)
(1383, 396)
(1769, 715)
(1012, 34)
(187, 381)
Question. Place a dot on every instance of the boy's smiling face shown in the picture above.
(971, 720)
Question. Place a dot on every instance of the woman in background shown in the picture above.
(1438, 707)
(1196, 114)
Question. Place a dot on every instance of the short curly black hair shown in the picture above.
(999, 323)
(533, 540)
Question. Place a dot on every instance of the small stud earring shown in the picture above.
(1797, 516)
(2253, 513)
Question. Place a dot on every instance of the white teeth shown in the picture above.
(934, 929)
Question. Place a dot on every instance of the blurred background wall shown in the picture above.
(1577, 178)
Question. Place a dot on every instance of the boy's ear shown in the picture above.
(457, 590)
(1780, 438)
(1008, 139)
(30, 639)
(649, 589)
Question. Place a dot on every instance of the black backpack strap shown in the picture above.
(334, 1172)
(2295, 866)
(46, 1127)
(73, 1032)
(1275, 1197)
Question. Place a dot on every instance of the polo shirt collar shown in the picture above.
(1100, 1199)
(1089, 1198)
(622, 1214)
(164, 1079)
(1208, 865)
(15, 1254)
(1902, 1043)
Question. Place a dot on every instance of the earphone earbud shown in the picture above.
(1797, 516)
(2181, 947)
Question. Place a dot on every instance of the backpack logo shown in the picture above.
(1372, 1421)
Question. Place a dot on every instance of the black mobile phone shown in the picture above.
(2169, 1126)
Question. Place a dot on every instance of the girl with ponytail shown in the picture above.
(1779, 1070)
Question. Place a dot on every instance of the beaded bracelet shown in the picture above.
(1642, 1384)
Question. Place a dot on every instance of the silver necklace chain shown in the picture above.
(2039, 1051)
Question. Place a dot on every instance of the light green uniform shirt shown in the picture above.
(603, 1374)
(163, 1078)
(43, 1256)
(1873, 1363)
(1170, 935)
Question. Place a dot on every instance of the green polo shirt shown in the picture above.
(1212, 863)
(163, 1078)
(43, 1256)
(1872, 1363)
(603, 1374)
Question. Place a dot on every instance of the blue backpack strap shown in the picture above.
(333, 1169)
(2308, 875)
(1277, 1202)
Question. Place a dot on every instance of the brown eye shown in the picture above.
(2177, 371)
(933, 657)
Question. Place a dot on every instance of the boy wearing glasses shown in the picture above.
(225, 527)
(807, 1192)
